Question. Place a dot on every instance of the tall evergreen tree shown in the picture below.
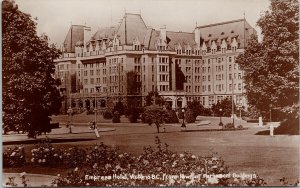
(271, 66)
(30, 93)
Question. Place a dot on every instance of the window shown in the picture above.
(85, 81)
(230, 76)
(230, 59)
(152, 77)
(240, 76)
(240, 86)
(209, 89)
(229, 67)
(91, 72)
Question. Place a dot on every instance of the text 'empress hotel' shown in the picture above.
(181, 66)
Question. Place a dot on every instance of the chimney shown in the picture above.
(163, 33)
(86, 35)
(197, 36)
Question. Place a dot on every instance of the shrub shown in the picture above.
(196, 107)
(14, 157)
(172, 117)
(119, 107)
(43, 154)
(289, 126)
(180, 114)
(107, 114)
(190, 116)
(116, 117)
(134, 115)
(88, 112)
(74, 157)
(229, 126)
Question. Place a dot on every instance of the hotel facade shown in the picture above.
(180, 66)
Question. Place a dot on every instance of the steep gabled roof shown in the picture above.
(182, 38)
(131, 27)
(234, 28)
(108, 32)
(74, 35)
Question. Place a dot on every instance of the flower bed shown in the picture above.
(103, 165)
(14, 157)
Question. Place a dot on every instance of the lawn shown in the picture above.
(243, 151)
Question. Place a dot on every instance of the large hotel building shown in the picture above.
(180, 66)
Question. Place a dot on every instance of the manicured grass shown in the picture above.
(243, 151)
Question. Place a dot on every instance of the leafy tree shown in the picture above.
(155, 114)
(154, 98)
(196, 107)
(225, 105)
(30, 93)
(119, 107)
(180, 78)
(271, 66)
(190, 117)
(133, 84)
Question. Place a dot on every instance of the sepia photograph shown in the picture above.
(168, 93)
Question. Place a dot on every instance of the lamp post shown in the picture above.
(95, 107)
(220, 124)
(183, 124)
(70, 111)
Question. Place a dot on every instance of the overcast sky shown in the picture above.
(56, 16)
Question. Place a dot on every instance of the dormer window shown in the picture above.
(232, 31)
(188, 50)
(209, 35)
(136, 45)
(178, 49)
(160, 45)
(222, 33)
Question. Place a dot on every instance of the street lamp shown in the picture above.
(70, 111)
(95, 107)
(220, 124)
(183, 124)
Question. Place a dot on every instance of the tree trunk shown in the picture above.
(157, 126)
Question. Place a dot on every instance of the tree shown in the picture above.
(225, 105)
(30, 93)
(153, 97)
(155, 114)
(271, 66)
(196, 107)
(119, 107)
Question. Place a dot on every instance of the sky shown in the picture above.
(56, 16)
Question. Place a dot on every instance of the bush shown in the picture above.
(43, 155)
(88, 112)
(180, 114)
(14, 157)
(134, 115)
(207, 112)
(119, 107)
(289, 126)
(116, 117)
(229, 126)
(190, 116)
(107, 114)
(172, 117)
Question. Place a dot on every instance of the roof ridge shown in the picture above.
(221, 23)
(181, 32)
